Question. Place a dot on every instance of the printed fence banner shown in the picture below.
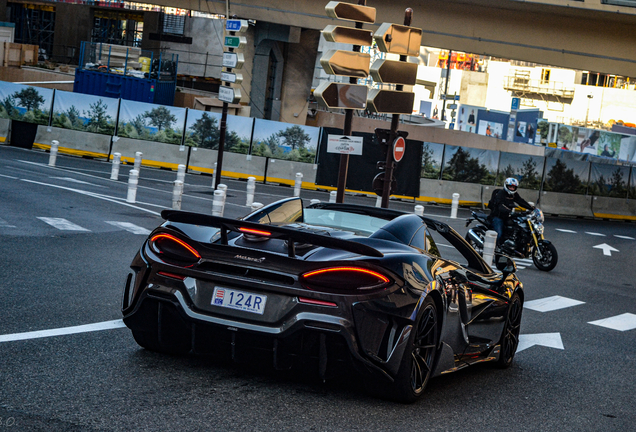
(285, 141)
(491, 123)
(628, 148)
(525, 168)
(151, 122)
(84, 112)
(470, 165)
(432, 154)
(203, 130)
(467, 118)
(25, 103)
(609, 180)
(526, 126)
(566, 176)
(541, 134)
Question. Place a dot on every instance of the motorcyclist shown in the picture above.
(501, 204)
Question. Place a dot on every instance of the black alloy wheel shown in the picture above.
(548, 259)
(510, 337)
(419, 357)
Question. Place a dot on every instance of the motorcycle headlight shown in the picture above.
(538, 216)
(538, 228)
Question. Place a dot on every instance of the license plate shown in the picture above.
(239, 300)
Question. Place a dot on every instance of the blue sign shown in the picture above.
(515, 104)
(233, 25)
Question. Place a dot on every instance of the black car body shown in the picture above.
(399, 296)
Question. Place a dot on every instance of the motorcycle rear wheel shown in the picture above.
(474, 244)
(548, 259)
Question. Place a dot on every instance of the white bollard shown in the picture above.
(419, 210)
(114, 173)
(490, 242)
(251, 188)
(53, 155)
(378, 201)
(133, 179)
(181, 173)
(213, 176)
(137, 164)
(298, 184)
(256, 206)
(177, 193)
(332, 196)
(217, 204)
(314, 201)
(454, 205)
(222, 187)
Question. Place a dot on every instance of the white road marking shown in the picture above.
(62, 224)
(550, 340)
(624, 237)
(566, 231)
(607, 249)
(595, 234)
(5, 224)
(130, 227)
(550, 304)
(9, 177)
(72, 180)
(624, 322)
(106, 325)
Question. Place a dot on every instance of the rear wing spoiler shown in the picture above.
(291, 235)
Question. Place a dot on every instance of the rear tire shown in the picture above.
(474, 244)
(549, 257)
(419, 357)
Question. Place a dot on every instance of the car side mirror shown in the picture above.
(506, 265)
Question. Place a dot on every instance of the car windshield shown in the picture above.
(360, 224)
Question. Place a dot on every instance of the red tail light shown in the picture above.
(174, 250)
(339, 279)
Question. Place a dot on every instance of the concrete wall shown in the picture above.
(614, 208)
(442, 192)
(73, 142)
(155, 154)
(284, 172)
(5, 130)
(234, 165)
(566, 204)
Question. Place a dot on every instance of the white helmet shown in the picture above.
(511, 185)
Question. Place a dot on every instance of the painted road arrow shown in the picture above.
(607, 249)
(550, 340)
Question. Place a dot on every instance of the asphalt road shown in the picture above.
(572, 375)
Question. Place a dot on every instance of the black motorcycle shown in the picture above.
(523, 234)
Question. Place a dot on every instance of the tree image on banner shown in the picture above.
(463, 168)
(562, 179)
(288, 144)
(24, 105)
(527, 174)
(205, 133)
(96, 119)
(153, 125)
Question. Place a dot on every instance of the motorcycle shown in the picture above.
(523, 234)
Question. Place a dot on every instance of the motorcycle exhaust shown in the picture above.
(473, 235)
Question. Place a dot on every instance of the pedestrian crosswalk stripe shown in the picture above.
(62, 224)
(130, 227)
(5, 224)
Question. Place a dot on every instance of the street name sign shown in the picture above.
(340, 95)
(350, 12)
(394, 72)
(231, 77)
(347, 63)
(229, 94)
(344, 144)
(233, 60)
(348, 35)
(235, 41)
(390, 101)
(236, 25)
(398, 39)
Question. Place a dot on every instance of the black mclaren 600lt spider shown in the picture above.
(400, 297)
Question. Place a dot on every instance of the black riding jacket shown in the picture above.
(503, 203)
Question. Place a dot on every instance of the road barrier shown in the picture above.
(53, 155)
(490, 242)
(181, 172)
(217, 203)
(76, 143)
(419, 210)
(566, 204)
(251, 188)
(177, 193)
(454, 206)
(223, 188)
(114, 173)
(614, 208)
(133, 179)
(298, 184)
(333, 195)
(156, 154)
(138, 158)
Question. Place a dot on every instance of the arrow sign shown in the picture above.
(607, 249)
(550, 340)
(348, 63)
(235, 41)
(338, 95)
(395, 72)
(229, 95)
(390, 101)
(350, 12)
(348, 35)
(398, 39)
(233, 60)
(231, 77)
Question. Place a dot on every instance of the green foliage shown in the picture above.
(463, 168)
(562, 179)
(160, 117)
(293, 136)
(205, 133)
(527, 174)
(615, 186)
(543, 129)
(428, 164)
(565, 136)
(29, 98)
(99, 120)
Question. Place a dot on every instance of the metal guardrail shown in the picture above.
(521, 83)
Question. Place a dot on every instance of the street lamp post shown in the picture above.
(587, 113)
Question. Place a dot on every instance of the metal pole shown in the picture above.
(223, 128)
(450, 54)
(344, 158)
(395, 118)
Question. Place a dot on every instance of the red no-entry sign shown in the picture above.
(399, 147)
